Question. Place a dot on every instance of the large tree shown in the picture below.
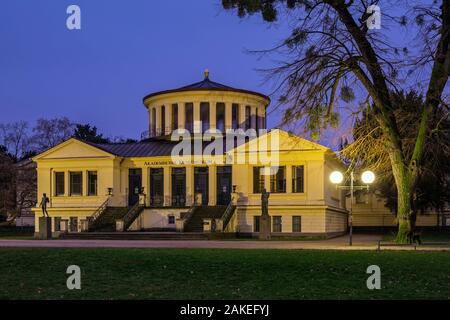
(432, 190)
(332, 50)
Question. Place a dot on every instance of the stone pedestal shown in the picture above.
(264, 227)
(45, 228)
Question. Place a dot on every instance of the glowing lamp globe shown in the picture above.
(368, 177)
(336, 177)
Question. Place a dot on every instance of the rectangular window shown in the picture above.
(204, 115)
(276, 222)
(73, 224)
(76, 183)
(189, 117)
(174, 116)
(171, 220)
(92, 183)
(59, 183)
(296, 224)
(278, 180)
(258, 179)
(235, 116)
(256, 223)
(298, 180)
(220, 116)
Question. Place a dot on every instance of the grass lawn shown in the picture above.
(222, 274)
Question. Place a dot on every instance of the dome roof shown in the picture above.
(206, 84)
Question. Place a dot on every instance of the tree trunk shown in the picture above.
(404, 186)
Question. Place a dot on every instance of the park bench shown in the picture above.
(382, 243)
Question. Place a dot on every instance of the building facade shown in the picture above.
(202, 169)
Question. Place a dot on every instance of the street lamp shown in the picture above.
(367, 177)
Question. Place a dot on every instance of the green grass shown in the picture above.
(222, 274)
(12, 232)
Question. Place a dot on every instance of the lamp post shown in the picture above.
(337, 177)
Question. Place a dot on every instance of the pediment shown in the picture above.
(73, 149)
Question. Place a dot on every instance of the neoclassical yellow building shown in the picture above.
(202, 169)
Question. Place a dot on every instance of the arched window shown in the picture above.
(163, 120)
(220, 116)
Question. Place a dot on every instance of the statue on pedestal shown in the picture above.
(43, 205)
(264, 222)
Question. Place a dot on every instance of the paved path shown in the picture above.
(360, 242)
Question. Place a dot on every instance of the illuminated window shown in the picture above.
(92, 183)
(298, 180)
(258, 179)
(278, 181)
(277, 226)
(76, 185)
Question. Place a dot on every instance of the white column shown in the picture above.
(288, 179)
(228, 115)
(212, 115)
(253, 117)
(262, 116)
(267, 179)
(158, 120)
(83, 183)
(146, 184)
(181, 115)
(212, 172)
(66, 184)
(167, 187)
(149, 121)
(197, 123)
(242, 116)
(189, 185)
(168, 128)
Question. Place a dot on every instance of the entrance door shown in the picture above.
(201, 184)
(178, 187)
(224, 185)
(134, 185)
(156, 187)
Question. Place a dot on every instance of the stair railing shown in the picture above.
(227, 214)
(190, 213)
(99, 211)
(131, 215)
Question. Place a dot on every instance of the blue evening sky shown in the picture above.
(125, 50)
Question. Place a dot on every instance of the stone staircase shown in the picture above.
(195, 223)
(106, 222)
